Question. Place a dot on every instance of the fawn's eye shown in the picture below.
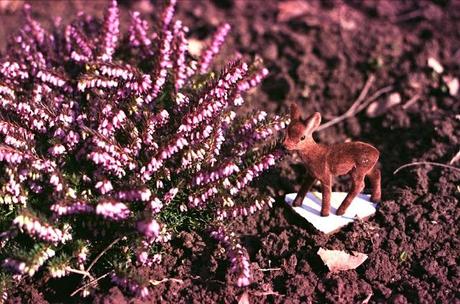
(302, 138)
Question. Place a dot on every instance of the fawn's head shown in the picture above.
(299, 132)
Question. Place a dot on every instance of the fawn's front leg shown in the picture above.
(358, 186)
(306, 186)
(326, 203)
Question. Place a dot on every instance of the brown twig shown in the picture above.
(207, 280)
(359, 104)
(269, 269)
(89, 284)
(155, 282)
(367, 299)
(82, 272)
(360, 98)
(266, 293)
(426, 164)
(411, 101)
(102, 253)
(455, 158)
(373, 97)
(86, 272)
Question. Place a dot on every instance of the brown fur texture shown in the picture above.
(324, 162)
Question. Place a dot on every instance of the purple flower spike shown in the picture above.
(253, 205)
(112, 210)
(216, 99)
(249, 174)
(95, 130)
(219, 173)
(253, 80)
(110, 32)
(136, 194)
(164, 63)
(180, 46)
(45, 232)
(12, 70)
(138, 36)
(237, 255)
(77, 44)
(214, 48)
(71, 207)
(131, 285)
(31, 265)
(168, 14)
(12, 156)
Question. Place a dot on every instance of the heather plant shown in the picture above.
(112, 143)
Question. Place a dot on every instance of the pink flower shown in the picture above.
(71, 207)
(113, 210)
(237, 255)
(216, 42)
(57, 150)
(138, 33)
(253, 80)
(149, 227)
(110, 32)
(104, 186)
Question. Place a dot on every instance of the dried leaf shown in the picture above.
(366, 300)
(338, 260)
(377, 108)
(291, 9)
(244, 299)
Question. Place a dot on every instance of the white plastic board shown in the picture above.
(361, 207)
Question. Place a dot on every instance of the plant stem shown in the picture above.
(82, 272)
(426, 163)
(89, 284)
(359, 104)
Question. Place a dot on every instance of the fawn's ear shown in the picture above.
(295, 112)
(313, 122)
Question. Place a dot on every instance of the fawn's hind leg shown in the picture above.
(375, 179)
(306, 186)
(358, 186)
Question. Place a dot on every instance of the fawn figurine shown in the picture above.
(323, 162)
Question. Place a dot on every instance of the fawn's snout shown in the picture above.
(289, 144)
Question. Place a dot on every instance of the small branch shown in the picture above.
(101, 254)
(90, 283)
(207, 280)
(359, 104)
(82, 272)
(455, 158)
(266, 293)
(426, 164)
(366, 300)
(361, 96)
(269, 269)
(373, 97)
(155, 282)
(411, 101)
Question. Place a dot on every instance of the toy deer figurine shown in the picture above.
(323, 162)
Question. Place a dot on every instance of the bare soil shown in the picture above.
(320, 54)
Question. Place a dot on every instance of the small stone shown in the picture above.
(195, 47)
(435, 65)
(452, 84)
(378, 108)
